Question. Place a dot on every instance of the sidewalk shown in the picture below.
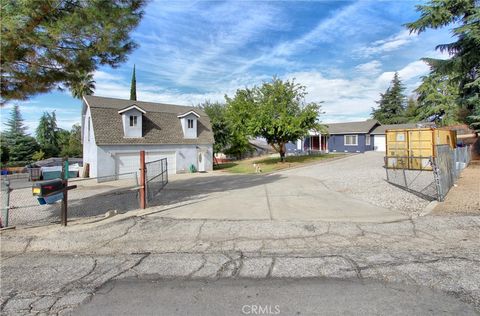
(464, 198)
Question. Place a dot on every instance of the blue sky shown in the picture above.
(345, 52)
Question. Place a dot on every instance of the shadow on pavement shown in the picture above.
(191, 189)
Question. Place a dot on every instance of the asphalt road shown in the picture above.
(268, 297)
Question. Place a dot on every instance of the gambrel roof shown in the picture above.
(161, 124)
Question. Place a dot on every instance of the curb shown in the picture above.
(429, 208)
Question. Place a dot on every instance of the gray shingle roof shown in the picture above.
(362, 127)
(160, 124)
(380, 130)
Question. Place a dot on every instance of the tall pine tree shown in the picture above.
(133, 86)
(15, 127)
(438, 100)
(20, 145)
(47, 134)
(391, 108)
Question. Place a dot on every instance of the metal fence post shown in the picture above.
(405, 178)
(65, 192)
(142, 180)
(6, 201)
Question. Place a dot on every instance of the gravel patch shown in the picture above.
(363, 177)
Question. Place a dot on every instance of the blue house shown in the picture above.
(352, 137)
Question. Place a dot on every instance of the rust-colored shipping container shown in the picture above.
(412, 148)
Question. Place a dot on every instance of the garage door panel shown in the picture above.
(171, 160)
(130, 162)
(379, 142)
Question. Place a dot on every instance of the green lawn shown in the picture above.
(271, 163)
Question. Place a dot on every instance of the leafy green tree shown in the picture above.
(133, 86)
(63, 140)
(45, 44)
(411, 111)
(438, 100)
(23, 149)
(238, 113)
(4, 151)
(221, 132)
(38, 155)
(73, 146)
(276, 111)
(391, 109)
(474, 120)
(47, 134)
(85, 85)
(463, 66)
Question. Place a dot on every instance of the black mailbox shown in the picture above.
(45, 188)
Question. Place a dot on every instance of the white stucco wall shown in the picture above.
(89, 146)
(185, 156)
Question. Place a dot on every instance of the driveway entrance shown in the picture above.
(290, 195)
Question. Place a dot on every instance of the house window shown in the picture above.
(133, 120)
(190, 123)
(367, 140)
(351, 140)
(88, 130)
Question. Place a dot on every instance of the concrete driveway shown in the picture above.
(297, 194)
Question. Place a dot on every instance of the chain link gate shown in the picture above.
(432, 177)
(419, 181)
(156, 178)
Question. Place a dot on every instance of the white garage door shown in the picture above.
(379, 143)
(130, 162)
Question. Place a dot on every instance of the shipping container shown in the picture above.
(414, 147)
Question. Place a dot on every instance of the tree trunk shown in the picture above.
(282, 152)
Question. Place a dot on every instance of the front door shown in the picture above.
(201, 161)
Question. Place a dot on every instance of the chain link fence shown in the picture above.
(156, 178)
(420, 181)
(428, 177)
(92, 197)
(447, 166)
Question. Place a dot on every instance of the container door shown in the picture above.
(420, 144)
(397, 149)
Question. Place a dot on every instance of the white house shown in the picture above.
(115, 130)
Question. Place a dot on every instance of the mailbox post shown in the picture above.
(49, 192)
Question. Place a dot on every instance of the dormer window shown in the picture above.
(189, 122)
(133, 120)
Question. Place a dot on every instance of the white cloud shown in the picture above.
(411, 71)
(351, 99)
(102, 75)
(389, 44)
(371, 68)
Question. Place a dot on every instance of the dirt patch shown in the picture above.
(464, 198)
